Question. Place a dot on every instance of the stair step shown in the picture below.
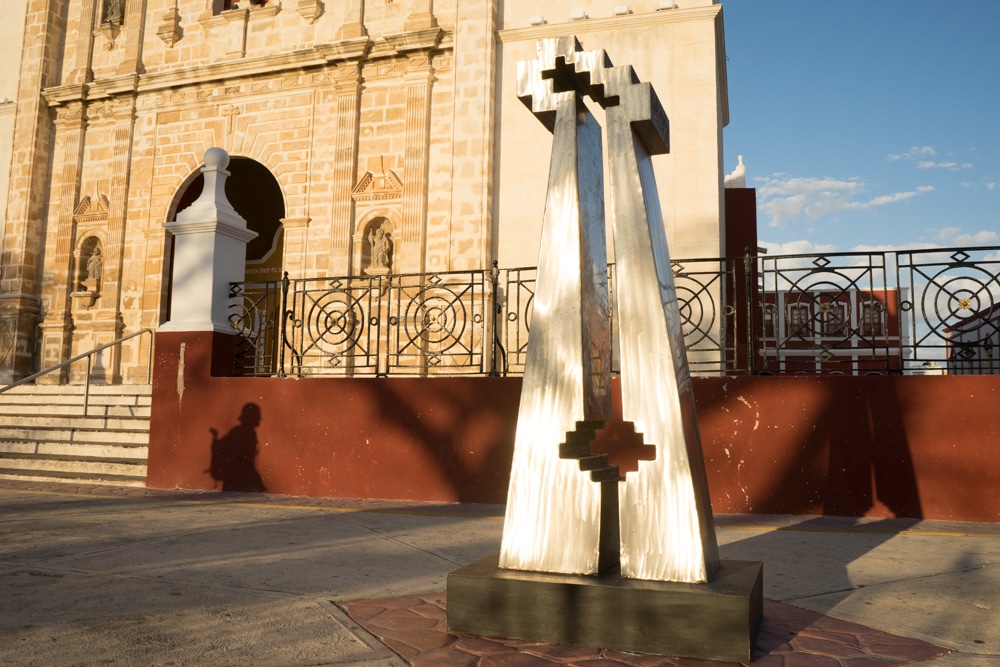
(32, 409)
(81, 435)
(37, 463)
(72, 477)
(49, 421)
(127, 451)
(79, 390)
(46, 437)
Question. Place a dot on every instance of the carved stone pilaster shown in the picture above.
(354, 21)
(134, 26)
(296, 232)
(415, 167)
(70, 125)
(347, 89)
(82, 72)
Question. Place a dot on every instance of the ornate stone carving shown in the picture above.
(310, 10)
(112, 19)
(170, 30)
(382, 187)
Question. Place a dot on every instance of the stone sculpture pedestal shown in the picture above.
(713, 621)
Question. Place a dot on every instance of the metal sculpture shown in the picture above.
(568, 511)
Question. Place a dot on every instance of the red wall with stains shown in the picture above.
(914, 446)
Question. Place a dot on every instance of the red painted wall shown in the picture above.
(915, 446)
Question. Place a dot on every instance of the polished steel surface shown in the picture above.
(667, 533)
(553, 519)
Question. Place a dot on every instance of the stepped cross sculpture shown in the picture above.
(570, 518)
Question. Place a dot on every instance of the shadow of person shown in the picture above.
(234, 455)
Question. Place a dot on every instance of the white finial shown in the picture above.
(737, 179)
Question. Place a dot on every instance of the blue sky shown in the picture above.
(867, 124)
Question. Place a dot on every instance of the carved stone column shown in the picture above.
(20, 265)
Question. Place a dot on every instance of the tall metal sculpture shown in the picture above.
(561, 514)
(569, 513)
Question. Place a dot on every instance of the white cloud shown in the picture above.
(800, 247)
(950, 166)
(953, 236)
(913, 153)
(920, 154)
(787, 199)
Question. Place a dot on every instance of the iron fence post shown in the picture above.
(748, 277)
(282, 309)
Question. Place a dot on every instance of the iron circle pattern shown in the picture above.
(818, 297)
(436, 316)
(958, 302)
(334, 321)
(697, 310)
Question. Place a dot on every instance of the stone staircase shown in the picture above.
(45, 436)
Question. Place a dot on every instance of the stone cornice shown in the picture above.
(319, 56)
(631, 21)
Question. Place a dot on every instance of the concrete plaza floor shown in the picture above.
(105, 575)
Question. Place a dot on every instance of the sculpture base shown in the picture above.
(714, 621)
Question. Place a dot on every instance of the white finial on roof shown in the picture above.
(737, 179)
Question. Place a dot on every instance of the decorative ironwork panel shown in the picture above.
(332, 326)
(827, 314)
(518, 298)
(952, 306)
(437, 323)
(255, 314)
(705, 288)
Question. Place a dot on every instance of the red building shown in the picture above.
(974, 344)
(849, 331)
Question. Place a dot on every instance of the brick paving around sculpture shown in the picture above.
(414, 626)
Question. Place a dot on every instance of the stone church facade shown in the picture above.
(366, 135)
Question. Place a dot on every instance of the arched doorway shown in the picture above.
(255, 194)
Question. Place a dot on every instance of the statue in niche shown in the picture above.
(114, 11)
(94, 265)
(89, 279)
(381, 250)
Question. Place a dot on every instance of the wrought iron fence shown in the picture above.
(932, 311)
(371, 325)
(850, 313)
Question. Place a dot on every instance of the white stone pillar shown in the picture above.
(210, 240)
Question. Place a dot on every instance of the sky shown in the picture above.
(866, 124)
